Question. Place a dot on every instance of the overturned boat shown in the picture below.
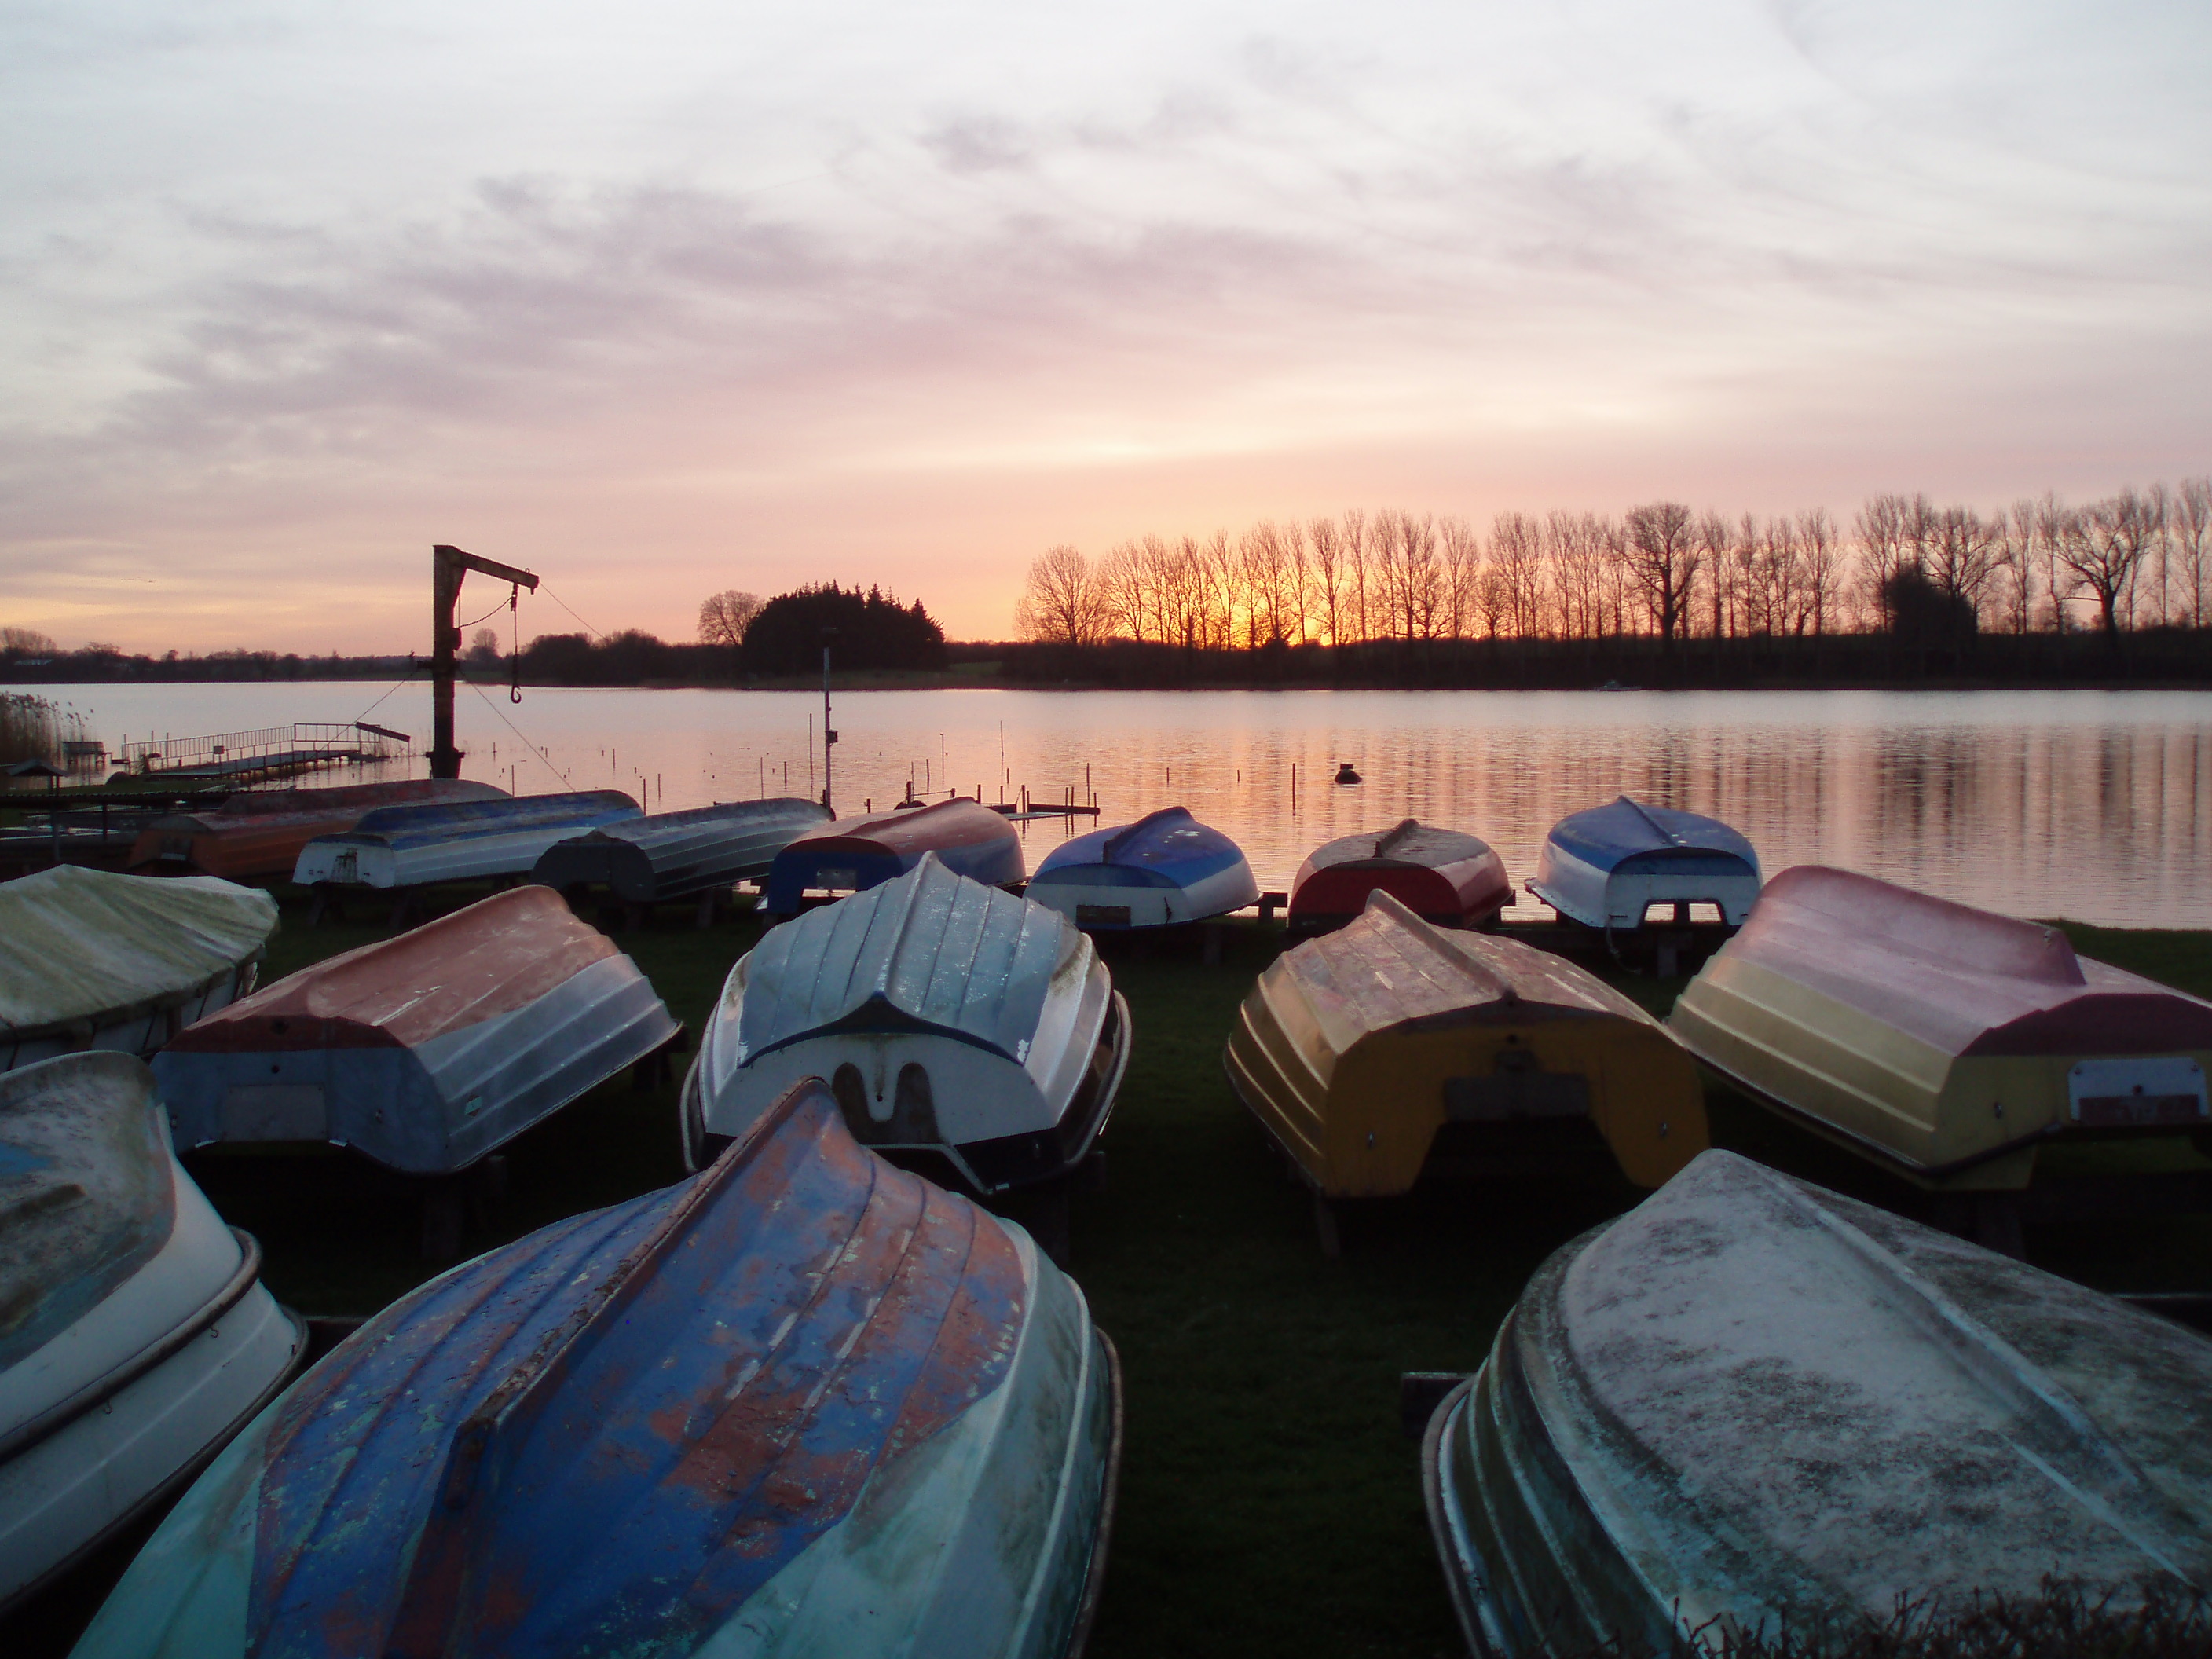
(423, 1052)
(1164, 869)
(258, 835)
(1442, 876)
(803, 1402)
(1608, 866)
(1751, 1402)
(850, 855)
(95, 959)
(1392, 1049)
(135, 1334)
(397, 847)
(672, 855)
(1943, 1043)
(955, 1024)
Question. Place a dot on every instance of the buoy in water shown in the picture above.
(1346, 773)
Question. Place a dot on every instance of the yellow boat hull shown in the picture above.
(1355, 1050)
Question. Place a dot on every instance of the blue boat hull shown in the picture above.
(802, 1402)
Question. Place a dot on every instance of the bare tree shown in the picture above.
(1462, 564)
(1960, 556)
(483, 648)
(724, 617)
(2015, 563)
(1516, 553)
(27, 641)
(2104, 545)
(1063, 602)
(1325, 578)
(1820, 554)
(2192, 542)
(1662, 562)
(1355, 553)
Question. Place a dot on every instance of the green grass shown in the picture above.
(1270, 1504)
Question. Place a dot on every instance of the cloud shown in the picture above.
(885, 303)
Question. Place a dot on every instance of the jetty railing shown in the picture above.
(302, 746)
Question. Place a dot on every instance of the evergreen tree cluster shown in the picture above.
(874, 630)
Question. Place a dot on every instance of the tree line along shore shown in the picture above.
(1912, 593)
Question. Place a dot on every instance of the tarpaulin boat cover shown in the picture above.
(81, 946)
(932, 947)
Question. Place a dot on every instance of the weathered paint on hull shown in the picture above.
(1938, 1042)
(425, 1051)
(803, 1404)
(1754, 1400)
(1357, 1049)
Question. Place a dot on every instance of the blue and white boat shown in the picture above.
(1164, 869)
(397, 847)
(851, 856)
(958, 1026)
(1608, 866)
(136, 1336)
(802, 1403)
(672, 855)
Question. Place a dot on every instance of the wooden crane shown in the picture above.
(448, 565)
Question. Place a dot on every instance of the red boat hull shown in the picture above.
(1441, 875)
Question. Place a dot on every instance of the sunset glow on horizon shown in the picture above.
(696, 299)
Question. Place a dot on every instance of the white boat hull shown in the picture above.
(1619, 899)
(1147, 905)
(79, 1455)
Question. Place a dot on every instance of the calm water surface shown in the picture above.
(2086, 805)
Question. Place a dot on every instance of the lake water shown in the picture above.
(2087, 805)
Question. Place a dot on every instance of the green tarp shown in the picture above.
(86, 946)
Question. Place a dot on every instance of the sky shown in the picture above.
(670, 298)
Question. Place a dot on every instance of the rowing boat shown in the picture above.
(956, 1024)
(1165, 869)
(671, 856)
(258, 836)
(850, 855)
(134, 1335)
(425, 1051)
(1943, 1043)
(94, 959)
(1453, 880)
(397, 847)
(802, 1403)
(1392, 1050)
(1608, 866)
(1752, 1402)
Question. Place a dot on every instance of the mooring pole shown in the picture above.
(829, 732)
(448, 565)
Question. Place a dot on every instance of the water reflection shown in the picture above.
(2088, 804)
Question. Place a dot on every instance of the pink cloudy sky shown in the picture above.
(671, 297)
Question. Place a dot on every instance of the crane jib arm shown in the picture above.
(448, 567)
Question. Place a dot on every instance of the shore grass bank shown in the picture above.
(1270, 1503)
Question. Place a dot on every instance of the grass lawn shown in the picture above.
(1270, 1504)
